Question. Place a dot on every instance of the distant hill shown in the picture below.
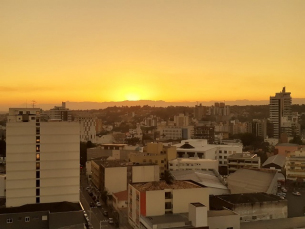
(159, 103)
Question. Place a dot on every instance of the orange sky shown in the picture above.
(173, 50)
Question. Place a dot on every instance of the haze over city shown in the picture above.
(174, 51)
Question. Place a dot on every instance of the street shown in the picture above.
(97, 219)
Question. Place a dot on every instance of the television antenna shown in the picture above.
(33, 103)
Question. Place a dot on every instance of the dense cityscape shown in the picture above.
(152, 114)
(211, 167)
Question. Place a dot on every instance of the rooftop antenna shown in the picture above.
(33, 103)
(26, 103)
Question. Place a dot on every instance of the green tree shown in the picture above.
(168, 177)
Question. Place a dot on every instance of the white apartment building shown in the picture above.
(42, 159)
(181, 120)
(192, 164)
(295, 166)
(201, 149)
(60, 113)
(87, 128)
(243, 160)
(160, 198)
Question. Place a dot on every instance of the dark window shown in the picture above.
(168, 195)
(37, 165)
(37, 183)
(254, 217)
(168, 205)
(37, 124)
(37, 119)
(37, 200)
(37, 130)
(37, 174)
(32, 118)
(20, 112)
(27, 219)
(37, 192)
(9, 220)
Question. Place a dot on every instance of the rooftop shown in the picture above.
(286, 144)
(217, 213)
(168, 219)
(161, 185)
(287, 223)
(51, 207)
(121, 196)
(251, 180)
(276, 159)
(243, 155)
(207, 178)
(246, 198)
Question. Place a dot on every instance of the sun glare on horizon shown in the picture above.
(132, 97)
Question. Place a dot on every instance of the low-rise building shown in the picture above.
(47, 216)
(120, 200)
(114, 175)
(252, 206)
(201, 149)
(155, 153)
(159, 198)
(192, 164)
(276, 162)
(295, 166)
(243, 160)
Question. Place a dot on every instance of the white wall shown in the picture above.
(182, 198)
(116, 179)
(145, 173)
(155, 203)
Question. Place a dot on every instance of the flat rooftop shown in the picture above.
(287, 223)
(246, 198)
(168, 219)
(217, 213)
(109, 163)
(51, 207)
(243, 156)
(161, 185)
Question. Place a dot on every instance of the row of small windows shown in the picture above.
(27, 219)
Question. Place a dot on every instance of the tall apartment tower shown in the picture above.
(280, 111)
(42, 163)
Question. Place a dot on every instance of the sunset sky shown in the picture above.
(172, 50)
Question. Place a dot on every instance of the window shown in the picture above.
(226, 151)
(168, 195)
(229, 227)
(38, 138)
(37, 148)
(37, 156)
(168, 205)
(37, 130)
(37, 202)
(37, 183)
(37, 165)
(32, 118)
(9, 220)
(254, 217)
(220, 157)
(37, 192)
(20, 112)
(37, 124)
(27, 219)
(37, 174)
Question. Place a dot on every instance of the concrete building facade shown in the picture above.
(42, 159)
(243, 160)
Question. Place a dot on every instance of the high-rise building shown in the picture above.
(42, 163)
(60, 113)
(280, 112)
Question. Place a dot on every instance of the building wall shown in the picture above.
(66, 219)
(18, 220)
(145, 173)
(286, 150)
(224, 222)
(155, 203)
(116, 179)
(182, 198)
(2, 185)
(189, 164)
(58, 150)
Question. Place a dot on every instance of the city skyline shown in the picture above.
(153, 50)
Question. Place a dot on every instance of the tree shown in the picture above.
(168, 177)
(296, 140)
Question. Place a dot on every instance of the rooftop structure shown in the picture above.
(276, 162)
(162, 185)
(208, 178)
(251, 181)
